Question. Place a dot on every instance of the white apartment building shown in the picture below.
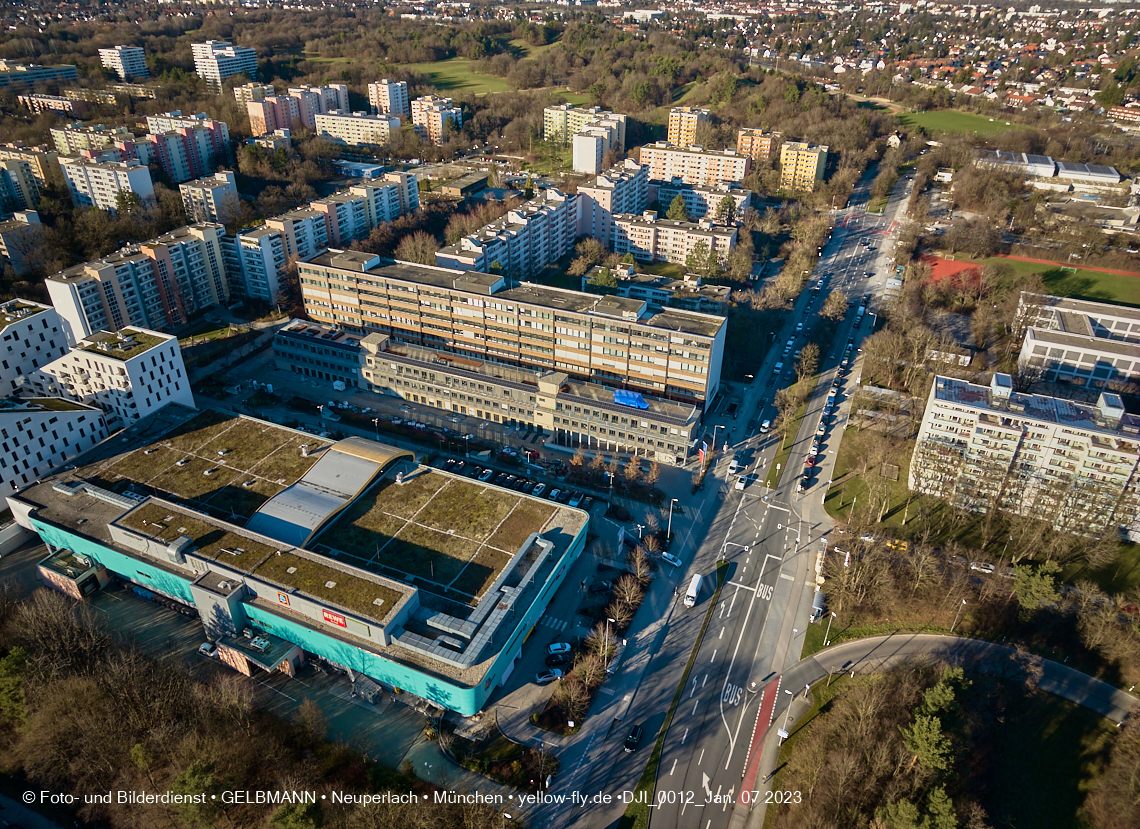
(216, 60)
(211, 199)
(252, 91)
(125, 61)
(683, 123)
(357, 128)
(128, 374)
(40, 434)
(561, 121)
(1079, 342)
(615, 341)
(528, 238)
(75, 139)
(699, 201)
(591, 143)
(650, 239)
(353, 213)
(1027, 454)
(621, 189)
(267, 250)
(318, 99)
(707, 168)
(156, 284)
(98, 183)
(19, 188)
(19, 236)
(389, 98)
(431, 114)
(31, 335)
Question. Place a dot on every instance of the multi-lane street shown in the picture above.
(769, 540)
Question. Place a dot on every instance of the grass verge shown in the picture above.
(949, 120)
(637, 814)
(780, 462)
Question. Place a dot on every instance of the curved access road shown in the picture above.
(879, 652)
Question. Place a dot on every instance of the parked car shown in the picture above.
(600, 587)
(576, 499)
(733, 466)
(538, 490)
(556, 659)
(821, 428)
(208, 649)
(554, 493)
(486, 474)
(982, 567)
(589, 502)
(546, 677)
(557, 647)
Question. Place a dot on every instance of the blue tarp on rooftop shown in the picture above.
(629, 398)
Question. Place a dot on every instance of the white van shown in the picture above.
(693, 592)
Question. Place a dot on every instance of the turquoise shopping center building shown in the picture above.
(292, 549)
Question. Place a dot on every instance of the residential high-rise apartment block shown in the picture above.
(20, 74)
(357, 128)
(561, 121)
(128, 374)
(389, 98)
(77, 139)
(431, 114)
(591, 143)
(217, 60)
(185, 154)
(208, 140)
(700, 202)
(157, 284)
(528, 238)
(262, 254)
(211, 199)
(318, 99)
(252, 91)
(708, 168)
(801, 165)
(31, 335)
(650, 239)
(353, 213)
(683, 123)
(272, 113)
(1070, 463)
(621, 189)
(20, 236)
(43, 163)
(125, 61)
(1079, 342)
(19, 187)
(267, 250)
(760, 144)
(98, 183)
(41, 435)
(673, 355)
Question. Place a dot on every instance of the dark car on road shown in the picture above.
(600, 587)
(633, 740)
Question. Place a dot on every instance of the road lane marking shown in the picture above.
(695, 704)
(705, 680)
(702, 757)
(713, 656)
(786, 576)
(674, 767)
(721, 632)
(694, 688)
(684, 736)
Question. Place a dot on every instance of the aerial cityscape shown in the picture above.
(569, 415)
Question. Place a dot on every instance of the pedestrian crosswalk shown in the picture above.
(552, 623)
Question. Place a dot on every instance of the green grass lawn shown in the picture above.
(578, 99)
(456, 75)
(1081, 284)
(529, 50)
(949, 120)
(673, 270)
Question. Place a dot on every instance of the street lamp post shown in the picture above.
(376, 423)
(467, 445)
(787, 712)
(956, 615)
(669, 530)
(607, 650)
(640, 527)
(827, 641)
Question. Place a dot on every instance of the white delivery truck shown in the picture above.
(693, 592)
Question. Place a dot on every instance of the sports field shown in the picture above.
(456, 75)
(949, 120)
(1060, 280)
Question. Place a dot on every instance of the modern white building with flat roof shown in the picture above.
(31, 335)
(128, 374)
(1029, 454)
(1079, 342)
(42, 434)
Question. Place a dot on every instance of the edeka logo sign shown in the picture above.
(333, 618)
(283, 598)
